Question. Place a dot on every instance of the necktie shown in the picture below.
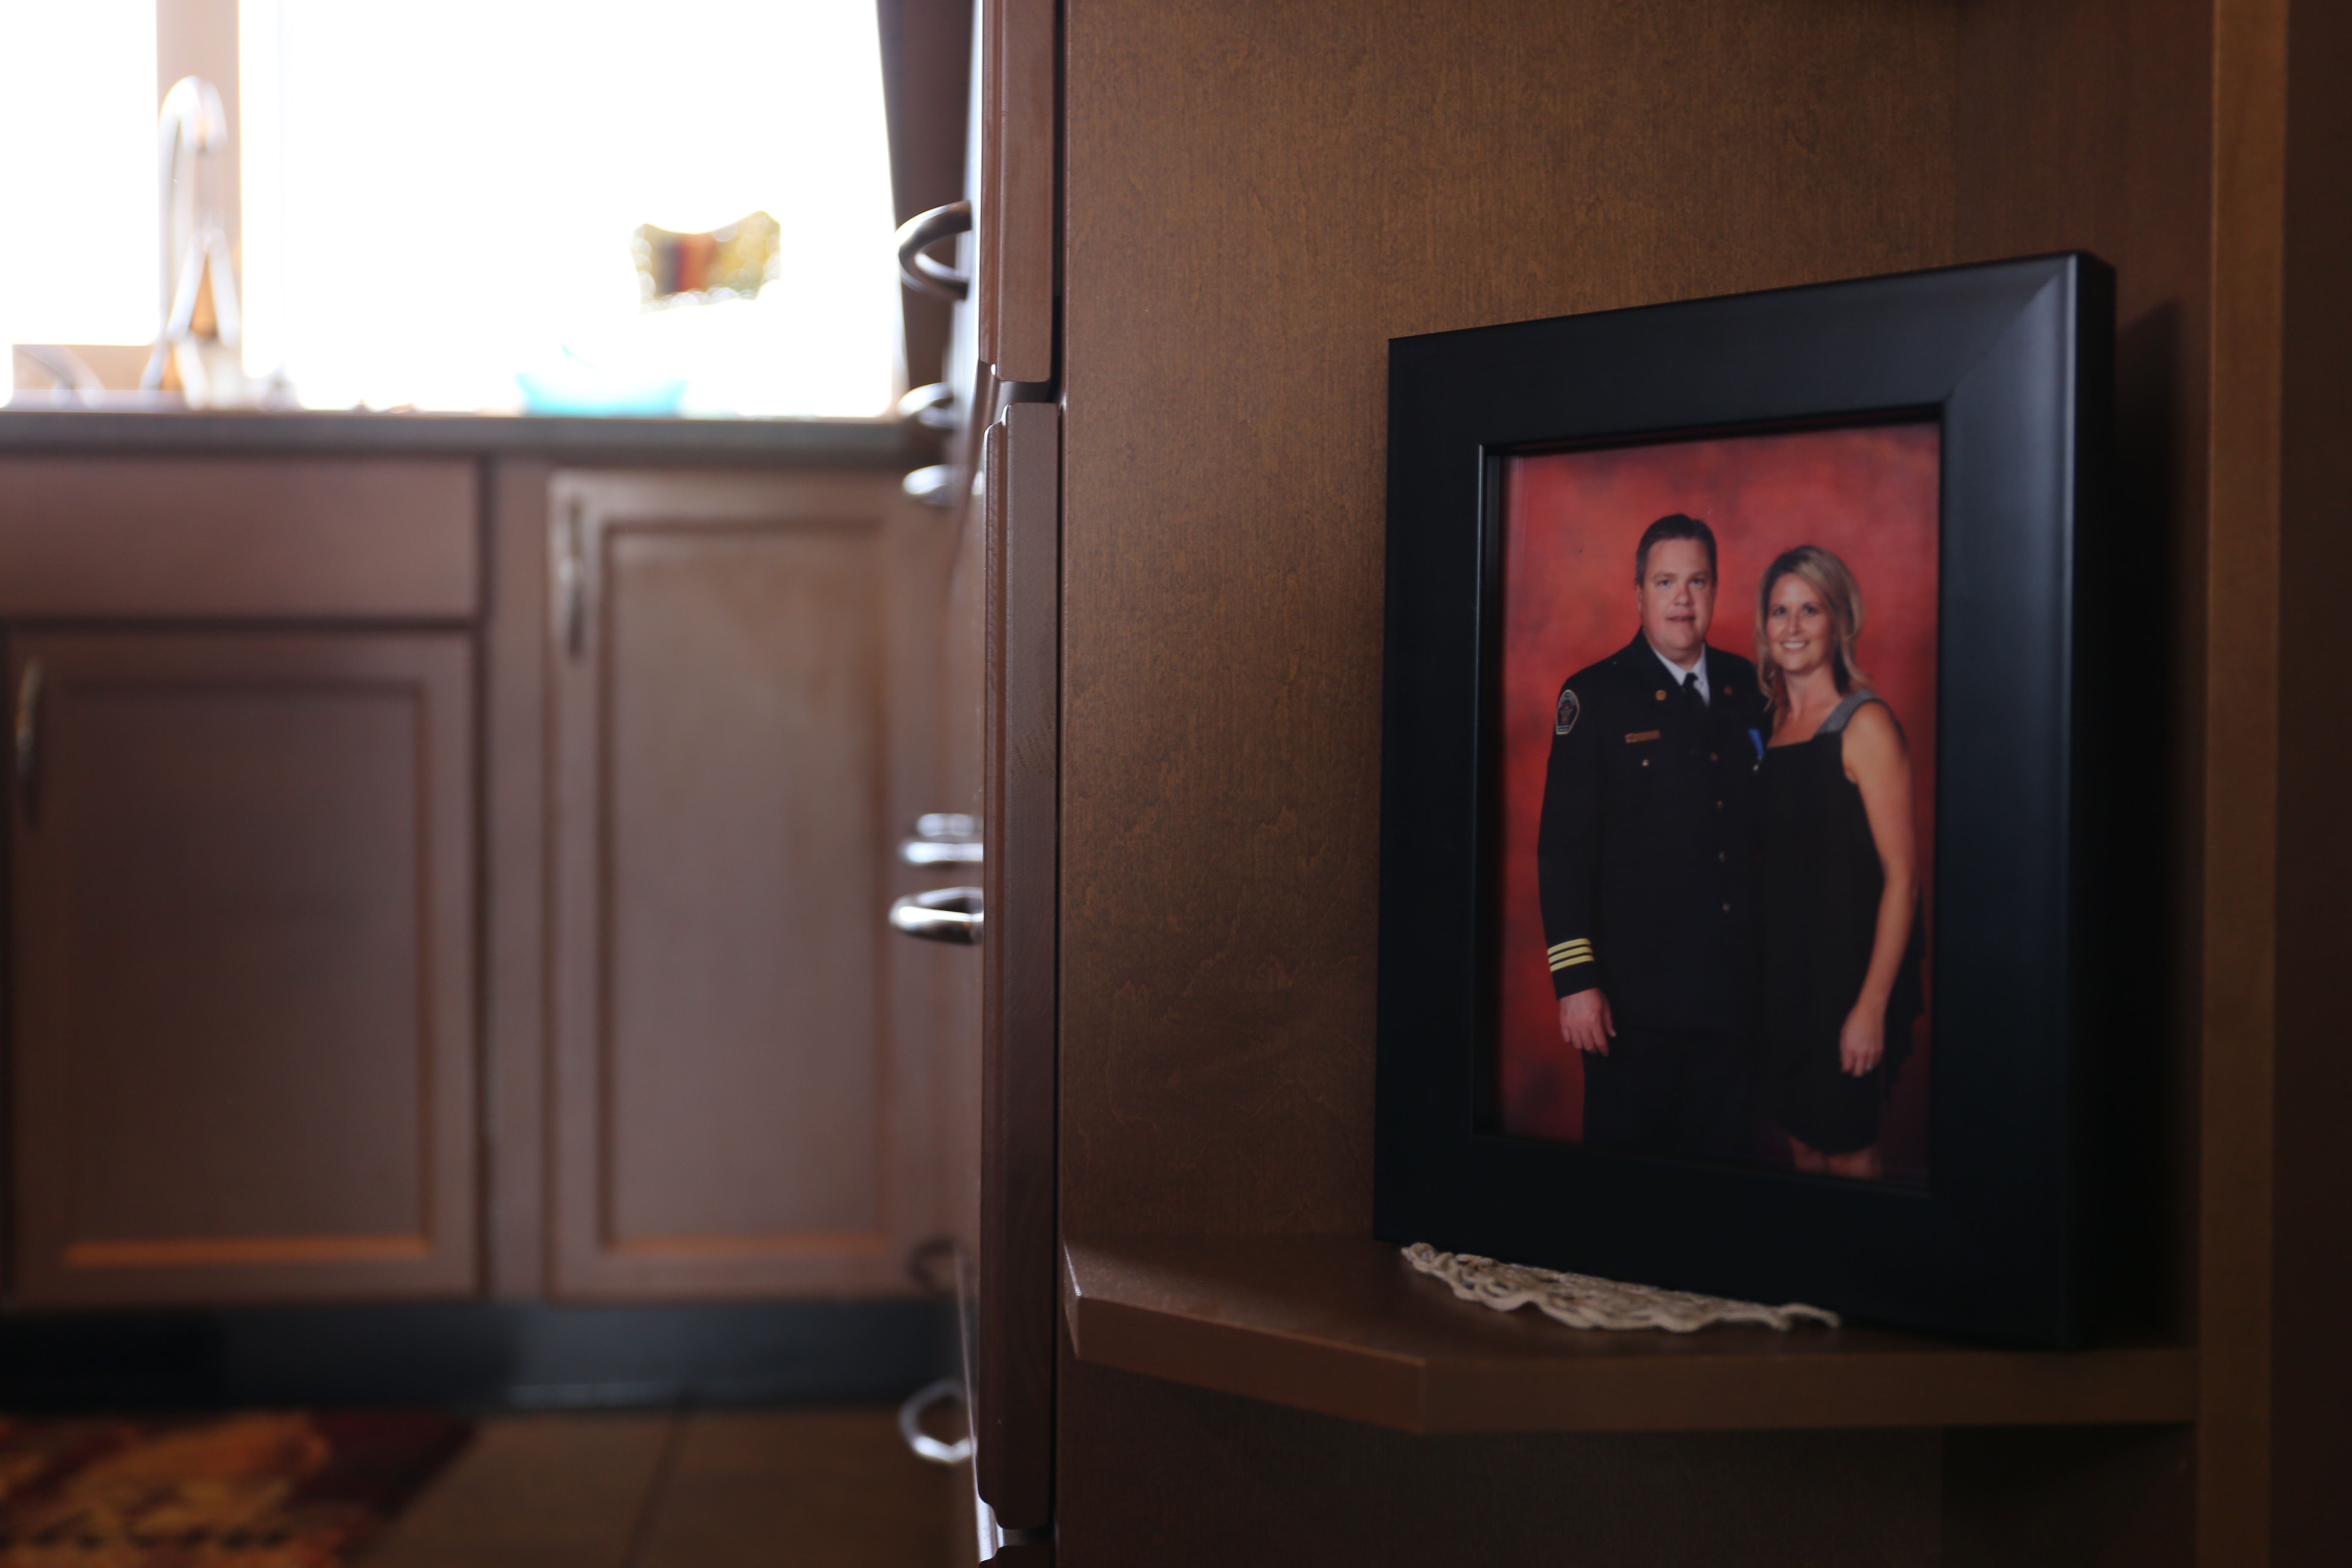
(1690, 684)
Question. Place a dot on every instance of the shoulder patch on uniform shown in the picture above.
(1563, 718)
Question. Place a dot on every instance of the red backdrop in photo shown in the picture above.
(1570, 522)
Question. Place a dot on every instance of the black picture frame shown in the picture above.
(2013, 359)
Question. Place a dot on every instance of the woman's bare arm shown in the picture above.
(1878, 763)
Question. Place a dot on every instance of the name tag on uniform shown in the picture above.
(1642, 735)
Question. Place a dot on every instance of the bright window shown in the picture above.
(441, 193)
(78, 197)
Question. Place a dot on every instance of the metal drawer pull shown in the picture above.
(920, 271)
(940, 852)
(942, 839)
(571, 581)
(910, 1424)
(933, 407)
(943, 914)
(934, 486)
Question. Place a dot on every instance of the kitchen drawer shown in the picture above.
(279, 538)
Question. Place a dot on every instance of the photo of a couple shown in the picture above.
(1728, 847)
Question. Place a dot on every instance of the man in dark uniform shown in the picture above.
(1647, 889)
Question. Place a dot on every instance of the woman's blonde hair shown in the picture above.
(1841, 596)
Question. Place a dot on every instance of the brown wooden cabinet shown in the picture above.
(290, 1023)
(242, 902)
(740, 1099)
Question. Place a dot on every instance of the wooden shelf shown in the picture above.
(1344, 1326)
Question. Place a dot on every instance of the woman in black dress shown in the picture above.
(1839, 873)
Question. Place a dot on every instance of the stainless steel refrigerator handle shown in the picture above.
(910, 1424)
(942, 914)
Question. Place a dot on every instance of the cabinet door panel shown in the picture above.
(741, 761)
(730, 1120)
(243, 965)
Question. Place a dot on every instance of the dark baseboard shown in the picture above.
(475, 1355)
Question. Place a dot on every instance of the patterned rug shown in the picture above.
(253, 1489)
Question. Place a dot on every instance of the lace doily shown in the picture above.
(1584, 1302)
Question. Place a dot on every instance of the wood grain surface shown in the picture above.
(1344, 1326)
(1020, 189)
(279, 537)
(1174, 1477)
(2312, 1244)
(2239, 819)
(730, 1115)
(243, 922)
(515, 1062)
(925, 981)
(1298, 184)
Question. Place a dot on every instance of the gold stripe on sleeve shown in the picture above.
(1571, 961)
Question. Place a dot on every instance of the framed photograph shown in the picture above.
(1741, 913)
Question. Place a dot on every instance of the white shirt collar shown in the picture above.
(1678, 672)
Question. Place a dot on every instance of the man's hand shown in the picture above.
(1864, 1039)
(1584, 1021)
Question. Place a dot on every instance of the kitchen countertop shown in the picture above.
(860, 443)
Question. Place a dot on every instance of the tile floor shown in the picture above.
(829, 1489)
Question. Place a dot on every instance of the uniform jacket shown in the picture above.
(1643, 856)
